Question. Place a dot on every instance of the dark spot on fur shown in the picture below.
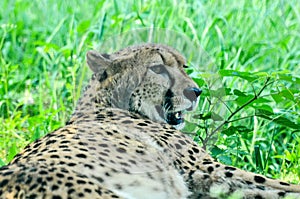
(80, 155)
(69, 184)
(54, 156)
(7, 173)
(3, 183)
(103, 145)
(140, 152)
(121, 150)
(43, 172)
(118, 186)
(81, 182)
(258, 197)
(205, 176)
(228, 174)
(88, 166)
(181, 142)
(50, 142)
(259, 179)
(87, 190)
(142, 124)
(71, 191)
(249, 182)
(192, 158)
(191, 173)
(230, 168)
(127, 122)
(178, 146)
(71, 164)
(99, 179)
(190, 152)
(65, 142)
(191, 163)
(210, 169)
(49, 178)
(195, 150)
(54, 187)
(281, 194)
(261, 187)
(284, 184)
(60, 175)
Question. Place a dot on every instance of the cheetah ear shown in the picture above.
(97, 62)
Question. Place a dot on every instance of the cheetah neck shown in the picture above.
(102, 93)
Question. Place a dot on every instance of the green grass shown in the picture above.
(42, 58)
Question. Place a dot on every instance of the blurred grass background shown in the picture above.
(43, 45)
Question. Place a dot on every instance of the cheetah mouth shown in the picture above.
(174, 118)
(173, 109)
(171, 117)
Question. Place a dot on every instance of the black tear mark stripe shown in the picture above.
(168, 74)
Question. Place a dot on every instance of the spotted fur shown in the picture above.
(121, 141)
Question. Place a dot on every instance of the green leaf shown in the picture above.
(289, 78)
(265, 108)
(209, 115)
(258, 158)
(189, 71)
(277, 98)
(189, 126)
(225, 159)
(216, 117)
(241, 100)
(83, 26)
(244, 75)
(220, 92)
(235, 129)
(262, 111)
(12, 151)
(215, 151)
(278, 119)
(200, 82)
(2, 163)
(287, 94)
(202, 116)
(286, 122)
(239, 93)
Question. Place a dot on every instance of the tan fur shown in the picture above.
(118, 144)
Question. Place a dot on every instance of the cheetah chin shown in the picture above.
(175, 117)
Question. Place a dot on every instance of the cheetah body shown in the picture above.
(121, 141)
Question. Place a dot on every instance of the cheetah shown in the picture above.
(123, 140)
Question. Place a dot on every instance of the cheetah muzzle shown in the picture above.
(175, 116)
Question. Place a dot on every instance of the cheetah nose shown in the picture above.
(192, 93)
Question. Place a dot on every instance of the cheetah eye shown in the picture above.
(158, 69)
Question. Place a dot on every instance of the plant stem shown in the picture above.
(228, 120)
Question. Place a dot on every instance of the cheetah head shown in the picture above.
(148, 80)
